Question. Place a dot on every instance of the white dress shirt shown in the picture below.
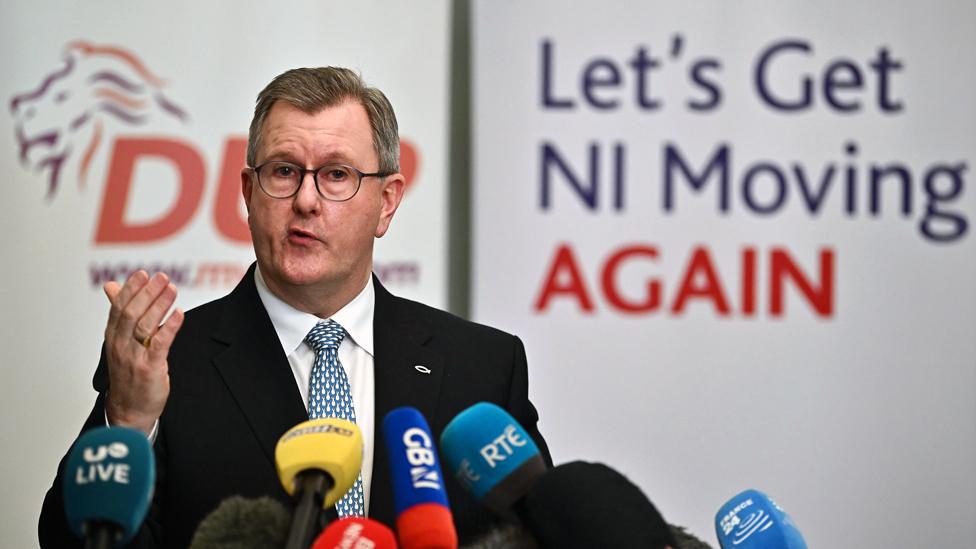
(355, 355)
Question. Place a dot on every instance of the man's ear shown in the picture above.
(247, 186)
(390, 197)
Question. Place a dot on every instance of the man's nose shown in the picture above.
(307, 199)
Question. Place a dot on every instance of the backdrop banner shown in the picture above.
(737, 238)
(122, 144)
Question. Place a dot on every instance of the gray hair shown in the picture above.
(312, 90)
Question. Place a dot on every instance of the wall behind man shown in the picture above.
(687, 244)
(61, 237)
(850, 418)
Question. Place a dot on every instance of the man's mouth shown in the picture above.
(300, 236)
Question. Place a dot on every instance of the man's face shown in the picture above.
(306, 242)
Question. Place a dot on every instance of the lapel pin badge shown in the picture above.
(421, 368)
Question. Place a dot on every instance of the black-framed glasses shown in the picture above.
(335, 182)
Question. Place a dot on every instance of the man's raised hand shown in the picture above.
(136, 344)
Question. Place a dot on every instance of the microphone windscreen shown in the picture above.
(424, 518)
(752, 520)
(687, 540)
(491, 455)
(355, 533)
(330, 444)
(109, 476)
(241, 523)
(583, 505)
(506, 537)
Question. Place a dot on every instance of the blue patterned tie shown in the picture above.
(329, 396)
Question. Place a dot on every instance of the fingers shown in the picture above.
(149, 322)
(133, 306)
(137, 344)
(165, 335)
(119, 297)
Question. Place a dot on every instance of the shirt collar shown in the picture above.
(293, 325)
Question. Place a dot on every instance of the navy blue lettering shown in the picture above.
(842, 75)
(719, 163)
(955, 223)
(883, 66)
(601, 73)
(548, 100)
(700, 77)
(643, 64)
(585, 190)
(805, 98)
(752, 174)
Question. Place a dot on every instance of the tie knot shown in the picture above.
(325, 335)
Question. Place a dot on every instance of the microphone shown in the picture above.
(241, 523)
(492, 456)
(356, 533)
(424, 518)
(687, 540)
(583, 505)
(752, 520)
(318, 461)
(108, 485)
(505, 537)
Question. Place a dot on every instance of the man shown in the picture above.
(214, 390)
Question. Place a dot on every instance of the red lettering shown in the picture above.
(701, 264)
(609, 282)
(749, 281)
(821, 299)
(409, 160)
(230, 221)
(112, 225)
(564, 262)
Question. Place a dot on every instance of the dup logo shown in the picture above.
(62, 122)
(95, 82)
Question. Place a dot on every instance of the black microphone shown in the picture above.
(583, 505)
(241, 523)
(686, 540)
(505, 537)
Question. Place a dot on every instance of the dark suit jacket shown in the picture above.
(232, 395)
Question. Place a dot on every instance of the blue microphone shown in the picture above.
(424, 518)
(752, 520)
(108, 485)
(492, 456)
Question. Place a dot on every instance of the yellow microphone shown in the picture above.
(318, 461)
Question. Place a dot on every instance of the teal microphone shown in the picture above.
(108, 485)
(492, 456)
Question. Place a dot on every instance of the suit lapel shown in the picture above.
(407, 373)
(255, 368)
(256, 372)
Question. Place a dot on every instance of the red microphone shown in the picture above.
(356, 533)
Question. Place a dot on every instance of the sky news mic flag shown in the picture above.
(108, 485)
(752, 520)
(491, 455)
(424, 518)
(317, 461)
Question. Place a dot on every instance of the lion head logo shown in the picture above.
(63, 116)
